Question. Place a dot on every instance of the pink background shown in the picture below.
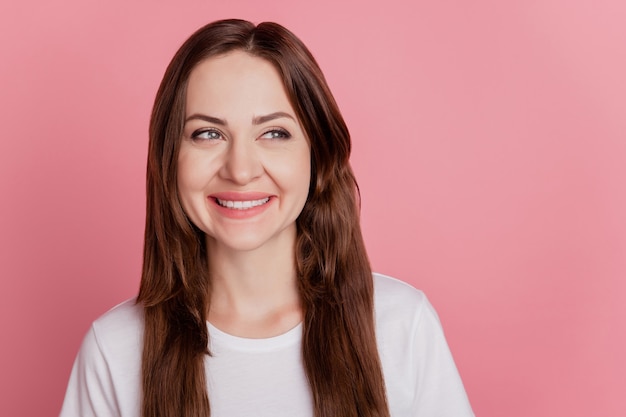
(489, 141)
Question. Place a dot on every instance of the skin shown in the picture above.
(242, 142)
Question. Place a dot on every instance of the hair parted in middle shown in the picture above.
(334, 276)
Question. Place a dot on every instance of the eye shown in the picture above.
(207, 134)
(276, 134)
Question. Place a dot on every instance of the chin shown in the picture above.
(237, 243)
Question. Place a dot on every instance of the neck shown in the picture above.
(254, 293)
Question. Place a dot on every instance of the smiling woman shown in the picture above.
(244, 161)
(257, 297)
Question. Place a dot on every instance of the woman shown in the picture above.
(257, 296)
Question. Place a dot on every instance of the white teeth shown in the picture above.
(242, 205)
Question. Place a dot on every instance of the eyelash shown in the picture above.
(197, 133)
(282, 132)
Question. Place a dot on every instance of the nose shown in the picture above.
(241, 163)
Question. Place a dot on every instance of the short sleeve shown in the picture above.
(420, 374)
(439, 389)
(90, 391)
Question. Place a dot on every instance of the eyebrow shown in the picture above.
(256, 120)
(204, 117)
(272, 116)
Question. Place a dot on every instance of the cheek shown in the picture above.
(194, 166)
(305, 178)
(301, 175)
(184, 177)
(190, 179)
(291, 172)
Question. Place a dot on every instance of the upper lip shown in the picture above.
(240, 195)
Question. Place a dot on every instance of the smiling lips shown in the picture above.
(237, 205)
(241, 205)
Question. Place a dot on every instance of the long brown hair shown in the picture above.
(335, 282)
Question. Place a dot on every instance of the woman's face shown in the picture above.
(244, 162)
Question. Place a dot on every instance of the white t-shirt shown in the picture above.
(265, 377)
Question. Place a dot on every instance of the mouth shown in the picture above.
(242, 204)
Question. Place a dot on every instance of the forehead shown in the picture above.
(236, 82)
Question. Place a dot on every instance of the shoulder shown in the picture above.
(386, 286)
(397, 299)
(123, 318)
(118, 333)
(106, 375)
(420, 374)
(401, 311)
